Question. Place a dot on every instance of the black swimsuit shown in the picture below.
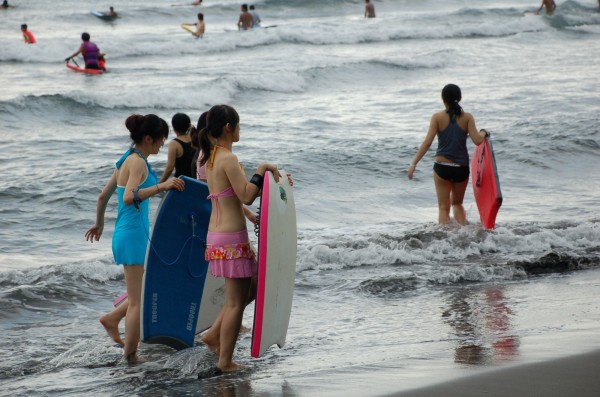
(183, 163)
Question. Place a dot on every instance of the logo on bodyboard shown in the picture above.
(282, 194)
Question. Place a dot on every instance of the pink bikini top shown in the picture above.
(229, 192)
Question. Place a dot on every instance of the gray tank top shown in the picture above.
(452, 144)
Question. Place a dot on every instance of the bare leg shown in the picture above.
(212, 337)
(133, 278)
(456, 197)
(237, 298)
(442, 190)
(110, 321)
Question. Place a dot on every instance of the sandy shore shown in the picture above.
(575, 376)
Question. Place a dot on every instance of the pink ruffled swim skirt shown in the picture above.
(230, 255)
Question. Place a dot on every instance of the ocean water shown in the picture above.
(385, 299)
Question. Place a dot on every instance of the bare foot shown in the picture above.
(112, 328)
(212, 345)
(232, 367)
(132, 358)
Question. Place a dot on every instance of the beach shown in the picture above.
(386, 301)
(569, 376)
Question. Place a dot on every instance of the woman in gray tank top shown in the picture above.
(451, 165)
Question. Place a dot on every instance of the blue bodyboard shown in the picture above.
(176, 271)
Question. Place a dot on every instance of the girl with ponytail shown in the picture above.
(135, 182)
(451, 166)
(228, 247)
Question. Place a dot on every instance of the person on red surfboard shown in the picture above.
(451, 165)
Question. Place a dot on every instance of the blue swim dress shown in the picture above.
(132, 229)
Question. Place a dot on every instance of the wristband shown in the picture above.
(136, 199)
(258, 180)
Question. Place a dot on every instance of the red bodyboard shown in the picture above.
(486, 185)
(82, 70)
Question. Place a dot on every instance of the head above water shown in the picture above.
(451, 96)
(220, 118)
(149, 125)
(85, 36)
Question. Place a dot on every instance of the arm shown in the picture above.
(476, 137)
(431, 133)
(251, 216)
(243, 189)
(171, 157)
(79, 51)
(95, 231)
(137, 171)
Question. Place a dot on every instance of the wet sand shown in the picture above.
(575, 376)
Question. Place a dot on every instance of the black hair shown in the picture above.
(85, 36)
(24, 26)
(200, 16)
(451, 95)
(181, 122)
(139, 126)
(218, 117)
(251, 6)
(244, 7)
(195, 139)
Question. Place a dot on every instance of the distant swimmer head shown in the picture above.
(85, 36)
(149, 125)
(111, 9)
(451, 96)
(23, 27)
(200, 16)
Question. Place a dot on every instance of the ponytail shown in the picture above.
(451, 95)
(204, 145)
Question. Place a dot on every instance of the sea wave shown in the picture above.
(438, 255)
(167, 39)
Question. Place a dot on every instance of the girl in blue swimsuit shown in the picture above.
(452, 126)
(135, 182)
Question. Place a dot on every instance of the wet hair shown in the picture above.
(139, 126)
(451, 95)
(218, 117)
(24, 26)
(181, 122)
(85, 36)
(244, 7)
(200, 16)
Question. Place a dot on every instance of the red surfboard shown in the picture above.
(82, 70)
(486, 185)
